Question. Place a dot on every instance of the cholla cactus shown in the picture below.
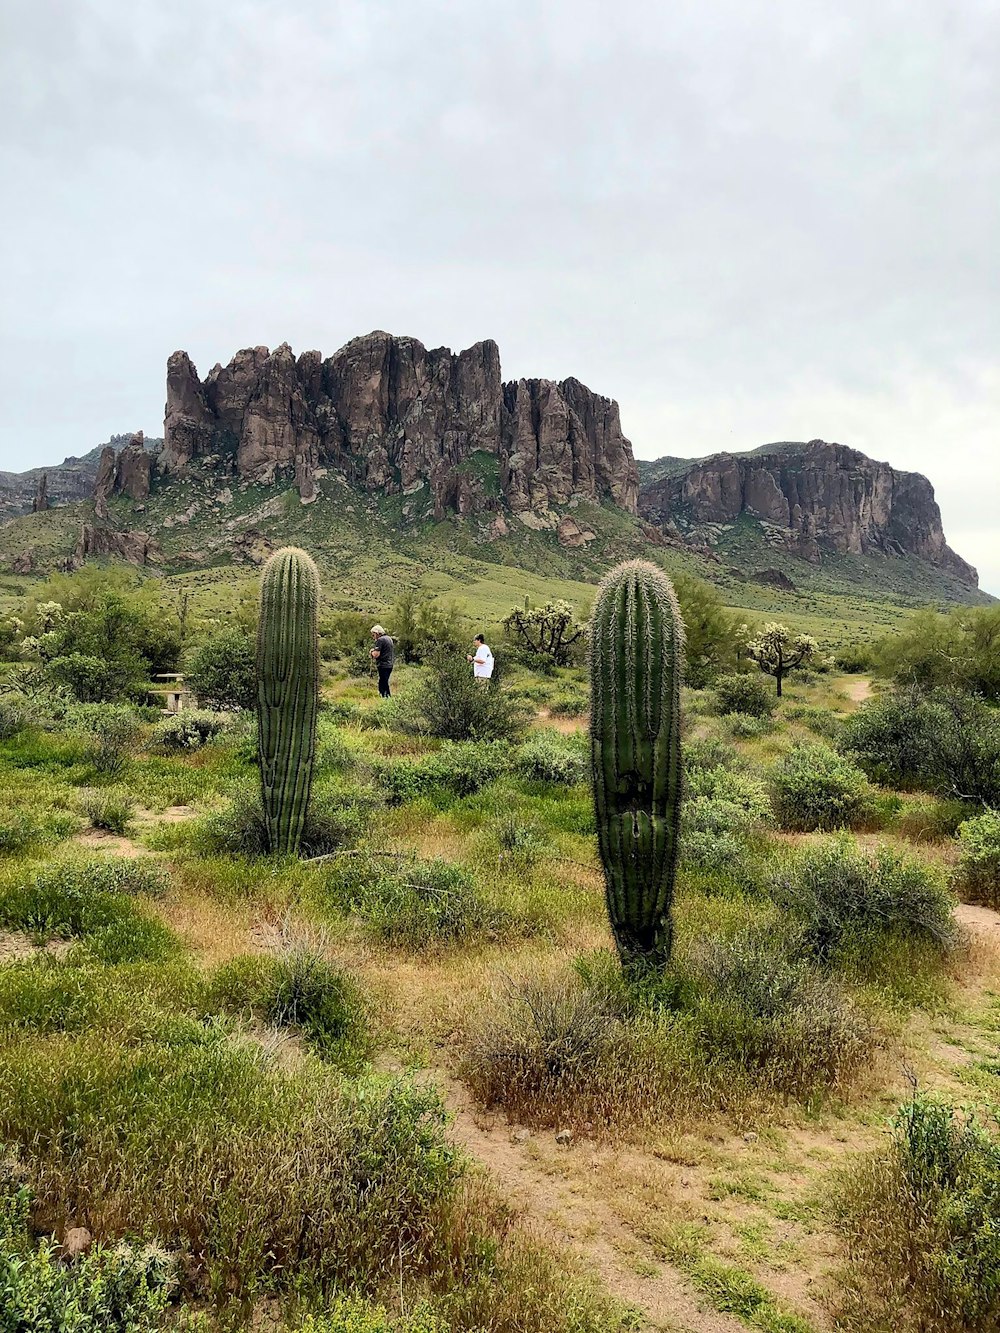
(287, 693)
(776, 650)
(636, 661)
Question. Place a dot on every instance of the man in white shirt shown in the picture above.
(482, 660)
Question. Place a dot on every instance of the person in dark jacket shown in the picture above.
(384, 655)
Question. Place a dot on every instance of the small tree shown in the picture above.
(221, 672)
(776, 650)
(548, 631)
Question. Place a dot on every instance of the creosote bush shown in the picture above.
(743, 693)
(452, 705)
(849, 898)
(815, 788)
(979, 858)
(112, 732)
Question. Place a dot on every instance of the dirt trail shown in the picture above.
(981, 921)
(566, 1211)
(859, 690)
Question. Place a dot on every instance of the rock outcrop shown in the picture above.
(394, 417)
(139, 548)
(127, 472)
(41, 501)
(810, 498)
(67, 482)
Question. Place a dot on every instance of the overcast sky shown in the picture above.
(745, 221)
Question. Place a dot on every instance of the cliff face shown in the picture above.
(812, 497)
(68, 482)
(394, 416)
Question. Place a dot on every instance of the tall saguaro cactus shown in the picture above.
(636, 661)
(287, 693)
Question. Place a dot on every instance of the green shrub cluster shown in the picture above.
(746, 693)
(450, 704)
(941, 741)
(23, 830)
(112, 732)
(124, 1289)
(920, 1220)
(459, 768)
(979, 857)
(188, 730)
(847, 899)
(352, 1314)
(108, 808)
(549, 757)
(336, 819)
(411, 902)
(722, 809)
(813, 787)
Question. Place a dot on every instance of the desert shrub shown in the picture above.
(109, 808)
(112, 732)
(711, 632)
(721, 809)
(743, 693)
(21, 830)
(413, 903)
(569, 705)
(297, 989)
(710, 752)
(336, 819)
(548, 757)
(201, 1144)
(222, 671)
(119, 1290)
(743, 727)
(13, 718)
(820, 720)
(815, 788)
(849, 898)
(188, 730)
(518, 843)
(855, 660)
(421, 627)
(943, 741)
(351, 1314)
(460, 768)
(454, 706)
(958, 650)
(920, 1223)
(757, 1008)
(979, 857)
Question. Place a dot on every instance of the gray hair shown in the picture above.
(378, 629)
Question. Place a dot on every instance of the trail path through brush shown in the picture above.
(859, 690)
(565, 1211)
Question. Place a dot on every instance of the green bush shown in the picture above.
(920, 1220)
(979, 857)
(336, 819)
(743, 727)
(451, 704)
(942, 741)
(109, 808)
(13, 718)
(815, 788)
(755, 1007)
(721, 809)
(297, 989)
(710, 752)
(744, 693)
(414, 902)
(188, 730)
(222, 672)
(549, 757)
(460, 768)
(352, 1314)
(119, 1290)
(850, 897)
(112, 732)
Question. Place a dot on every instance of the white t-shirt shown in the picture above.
(482, 665)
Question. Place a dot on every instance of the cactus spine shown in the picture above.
(287, 693)
(636, 661)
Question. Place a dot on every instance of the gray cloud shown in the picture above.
(747, 221)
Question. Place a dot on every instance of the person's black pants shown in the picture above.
(383, 681)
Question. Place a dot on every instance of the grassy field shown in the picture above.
(400, 1085)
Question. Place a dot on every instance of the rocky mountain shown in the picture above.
(396, 418)
(64, 483)
(808, 498)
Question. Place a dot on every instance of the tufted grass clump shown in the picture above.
(108, 808)
(336, 819)
(27, 830)
(411, 902)
(300, 990)
(919, 1219)
(815, 788)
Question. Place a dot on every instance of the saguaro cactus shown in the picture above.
(636, 659)
(287, 693)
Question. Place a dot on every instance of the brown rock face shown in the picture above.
(821, 496)
(393, 416)
(41, 501)
(133, 470)
(139, 548)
